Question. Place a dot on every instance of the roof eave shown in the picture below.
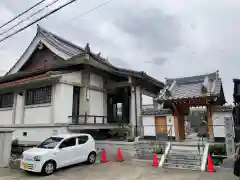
(138, 74)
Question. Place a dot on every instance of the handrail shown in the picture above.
(170, 135)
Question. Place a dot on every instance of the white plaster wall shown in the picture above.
(37, 114)
(146, 106)
(149, 125)
(96, 104)
(218, 123)
(96, 80)
(63, 100)
(73, 77)
(37, 134)
(6, 116)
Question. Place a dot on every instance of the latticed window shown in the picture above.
(6, 100)
(39, 95)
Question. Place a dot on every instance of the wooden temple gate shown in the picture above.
(180, 94)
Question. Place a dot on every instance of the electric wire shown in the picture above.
(90, 10)
(37, 20)
(24, 12)
(55, 10)
(35, 13)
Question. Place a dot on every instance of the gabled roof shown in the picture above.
(69, 52)
(192, 87)
(56, 44)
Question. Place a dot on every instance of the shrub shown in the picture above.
(158, 148)
(15, 142)
(217, 149)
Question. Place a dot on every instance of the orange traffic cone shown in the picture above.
(210, 167)
(119, 155)
(104, 157)
(155, 160)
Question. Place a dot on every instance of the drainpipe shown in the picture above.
(136, 119)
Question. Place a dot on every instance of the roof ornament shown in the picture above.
(217, 74)
(87, 48)
(99, 54)
(40, 45)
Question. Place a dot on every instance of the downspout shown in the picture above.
(136, 119)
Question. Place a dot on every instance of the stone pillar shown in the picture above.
(132, 111)
(135, 111)
(229, 136)
(139, 111)
(210, 123)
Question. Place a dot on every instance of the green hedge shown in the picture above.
(217, 149)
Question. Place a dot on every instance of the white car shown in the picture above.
(59, 151)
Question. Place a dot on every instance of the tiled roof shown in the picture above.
(192, 87)
(69, 51)
(222, 108)
(153, 111)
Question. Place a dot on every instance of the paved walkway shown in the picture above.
(117, 171)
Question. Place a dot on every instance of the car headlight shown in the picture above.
(37, 158)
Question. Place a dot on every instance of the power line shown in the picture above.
(35, 5)
(39, 19)
(55, 10)
(90, 10)
(20, 22)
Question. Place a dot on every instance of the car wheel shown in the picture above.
(48, 168)
(91, 158)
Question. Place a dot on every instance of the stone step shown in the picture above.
(183, 158)
(182, 166)
(184, 155)
(198, 163)
(184, 150)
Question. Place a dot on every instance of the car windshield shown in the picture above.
(50, 143)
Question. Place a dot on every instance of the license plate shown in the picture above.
(25, 165)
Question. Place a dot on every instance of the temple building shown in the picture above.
(57, 86)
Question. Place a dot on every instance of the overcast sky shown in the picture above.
(165, 38)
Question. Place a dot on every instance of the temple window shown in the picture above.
(6, 100)
(40, 95)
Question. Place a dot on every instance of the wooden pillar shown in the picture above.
(210, 122)
(176, 128)
(179, 124)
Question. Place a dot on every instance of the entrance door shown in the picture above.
(161, 124)
(110, 111)
(75, 105)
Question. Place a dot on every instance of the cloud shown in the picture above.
(151, 29)
(159, 61)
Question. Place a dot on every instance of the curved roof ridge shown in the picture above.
(194, 78)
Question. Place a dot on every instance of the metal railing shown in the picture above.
(93, 119)
(88, 119)
(207, 133)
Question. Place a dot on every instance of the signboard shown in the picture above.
(229, 136)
